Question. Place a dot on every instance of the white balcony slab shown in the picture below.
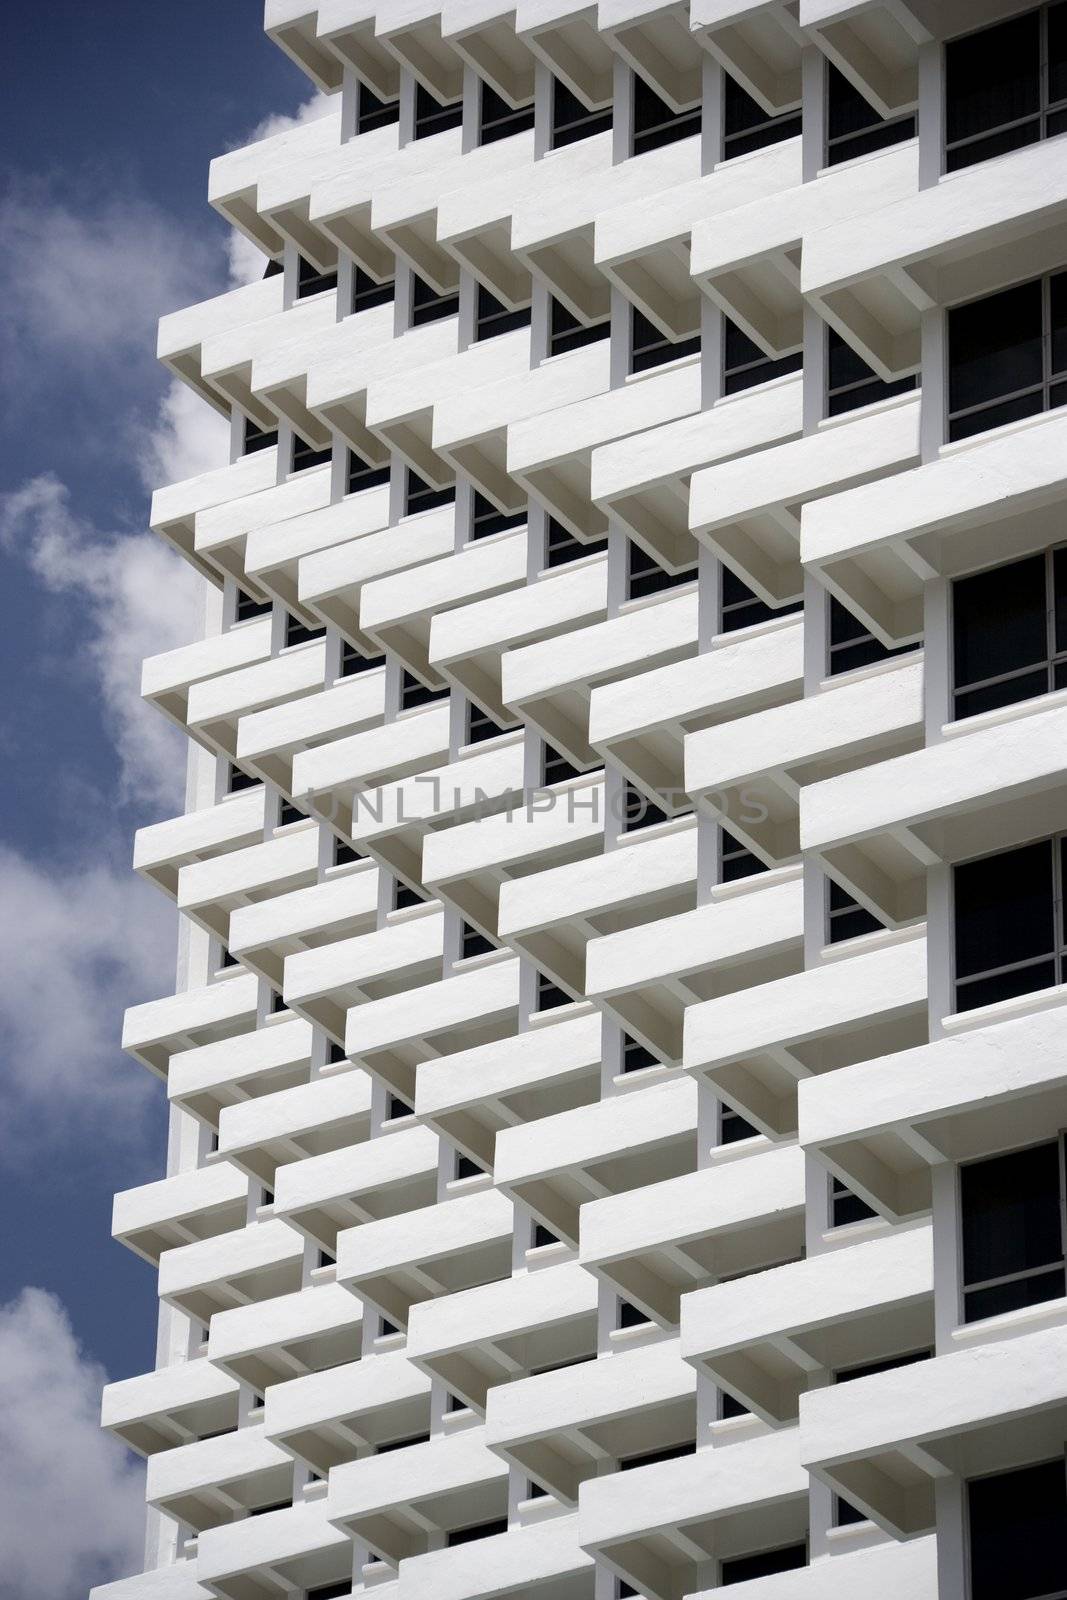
(391, 1176)
(325, 1418)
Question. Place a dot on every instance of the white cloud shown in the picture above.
(137, 598)
(71, 1499)
(189, 437)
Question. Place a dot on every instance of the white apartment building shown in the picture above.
(617, 1063)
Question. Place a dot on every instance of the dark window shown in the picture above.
(257, 438)
(851, 383)
(1009, 633)
(288, 813)
(1006, 86)
(870, 1369)
(335, 1053)
(498, 119)
(226, 959)
(638, 811)
(395, 1108)
(481, 726)
(745, 124)
(852, 645)
(373, 113)
(493, 316)
(1009, 923)
(456, 1404)
(422, 496)
(561, 546)
(846, 1207)
(367, 292)
(404, 896)
(650, 1458)
(733, 1127)
(297, 632)
(390, 1445)
(623, 1590)
(744, 364)
(567, 332)
(429, 304)
(413, 692)
(764, 1563)
(433, 115)
(1011, 1223)
(572, 119)
(345, 853)
(549, 994)
(466, 1168)
(310, 280)
(555, 768)
(277, 1002)
(635, 1055)
(481, 1530)
(386, 1329)
(543, 1236)
(651, 348)
(274, 268)
(237, 780)
(353, 661)
(1007, 356)
(853, 126)
(741, 608)
(305, 455)
(331, 1591)
(736, 861)
(730, 1406)
(474, 943)
(1016, 1522)
(326, 1259)
(846, 918)
(246, 607)
(487, 520)
(361, 474)
(275, 1505)
(655, 123)
(644, 576)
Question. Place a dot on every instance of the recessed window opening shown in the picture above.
(422, 496)
(845, 917)
(655, 123)
(297, 632)
(368, 292)
(311, 279)
(247, 607)
(736, 860)
(549, 995)
(1015, 1523)
(851, 383)
(1007, 356)
(306, 455)
(1009, 923)
(1009, 633)
(499, 119)
(745, 365)
(651, 348)
(852, 645)
(433, 115)
(1012, 1230)
(572, 119)
(493, 317)
(429, 304)
(846, 1207)
(372, 112)
(636, 1056)
(853, 126)
(639, 811)
(747, 126)
(361, 474)
(257, 438)
(562, 546)
(568, 332)
(743, 608)
(413, 692)
(487, 520)
(1006, 86)
(763, 1563)
(645, 576)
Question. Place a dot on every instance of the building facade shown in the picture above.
(617, 1063)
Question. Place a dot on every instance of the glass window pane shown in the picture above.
(995, 346)
(1016, 1522)
(1011, 1213)
(1013, 1295)
(1058, 321)
(1057, 54)
(1016, 137)
(1008, 692)
(992, 77)
(999, 620)
(1003, 908)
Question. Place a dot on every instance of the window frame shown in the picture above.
(1057, 955)
(1049, 379)
(1053, 658)
(1045, 107)
(963, 1288)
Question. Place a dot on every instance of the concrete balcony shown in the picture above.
(549, 683)
(468, 864)
(341, 31)
(200, 1204)
(644, 480)
(159, 1029)
(881, 1125)
(311, 1330)
(311, 1119)
(656, 39)
(557, 1165)
(642, 724)
(395, 1263)
(733, 775)
(752, 520)
(552, 455)
(561, 1428)
(874, 45)
(747, 260)
(980, 502)
(338, 383)
(182, 333)
(400, 1502)
(543, 1558)
(162, 849)
(177, 1582)
(217, 706)
(646, 976)
(872, 276)
(467, 644)
(657, 1525)
(489, 1336)
(321, 984)
(769, 1338)
(568, 42)
(884, 1441)
(263, 369)
(397, 615)
(171, 1406)
(755, 1047)
(222, 531)
(264, 935)
(390, 1176)
(233, 181)
(327, 1418)
(209, 1077)
(167, 679)
(878, 830)
(251, 1265)
(551, 916)
(329, 777)
(274, 553)
(174, 507)
(209, 892)
(273, 1555)
(471, 1096)
(211, 1481)
(391, 1037)
(655, 1245)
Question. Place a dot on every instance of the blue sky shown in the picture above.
(109, 115)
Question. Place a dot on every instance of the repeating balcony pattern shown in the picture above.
(618, 1092)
